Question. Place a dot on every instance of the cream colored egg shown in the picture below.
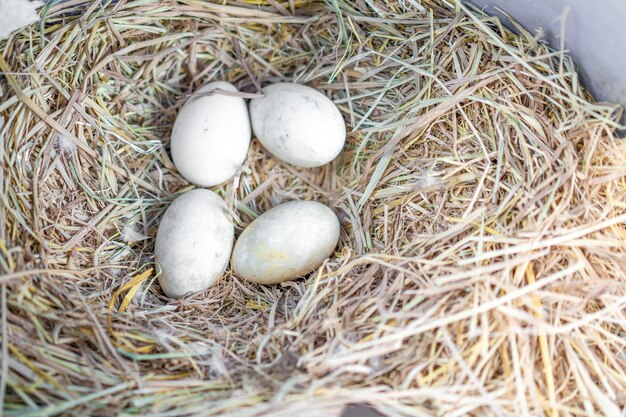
(193, 243)
(298, 124)
(211, 135)
(286, 242)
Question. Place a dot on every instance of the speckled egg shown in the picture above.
(298, 124)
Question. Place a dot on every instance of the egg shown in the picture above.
(286, 242)
(211, 136)
(193, 243)
(298, 124)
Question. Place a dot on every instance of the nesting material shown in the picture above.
(481, 194)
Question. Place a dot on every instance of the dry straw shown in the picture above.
(482, 195)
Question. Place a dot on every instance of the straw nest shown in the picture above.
(482, 196)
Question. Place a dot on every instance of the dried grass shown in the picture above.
(481, 269)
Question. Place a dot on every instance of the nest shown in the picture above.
(481, 192)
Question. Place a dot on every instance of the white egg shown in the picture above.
(211, 136)
(298, 124)
(193, 243)
(286, 242)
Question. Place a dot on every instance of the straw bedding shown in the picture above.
(482, 196)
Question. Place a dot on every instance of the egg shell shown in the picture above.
(298, 124)
(211, 136)
(286, 242)
(193, 243)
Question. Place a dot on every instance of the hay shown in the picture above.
(481, 269)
